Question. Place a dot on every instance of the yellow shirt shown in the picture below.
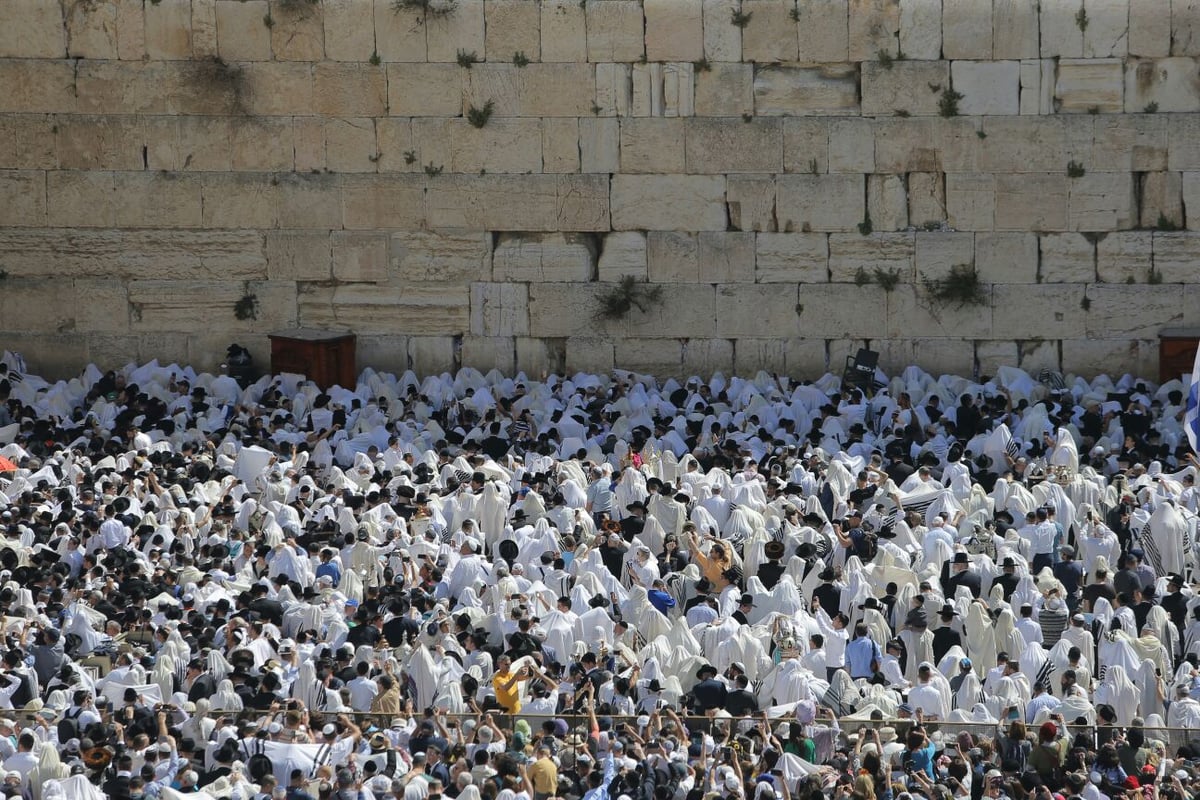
(544, 776)
(510, 699)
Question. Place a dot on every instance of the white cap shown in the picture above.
(329, 730)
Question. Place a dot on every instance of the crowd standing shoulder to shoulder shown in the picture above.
(597, 588)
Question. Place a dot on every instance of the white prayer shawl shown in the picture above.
(1118, 691)
(1167, 540)
(1147, 683)
(226, 699)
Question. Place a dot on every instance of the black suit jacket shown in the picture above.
(204, 686)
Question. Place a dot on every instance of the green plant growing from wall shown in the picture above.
(247, 307)
(375, 60)
(888, 279)
(702, 65)
(268, 20)
(1155, 277)
(866, 227)
(624, 296)
(885, 59)
(862, 277)
(948, 103)
(1165, 224)
(467, 59)
(1085, 303)
(1081, 19)
(433, 171)
(961, 287)
(1075, 169)
(478, 117)
(1151, 108)
(520, 59)
(296, 5)
(410, 157)
(430, 8)
(739, 18)
(222, 81)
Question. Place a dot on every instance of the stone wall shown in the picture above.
(793, 174)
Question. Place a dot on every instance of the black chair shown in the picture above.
(860, 370)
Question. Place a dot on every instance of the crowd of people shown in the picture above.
(597, 587)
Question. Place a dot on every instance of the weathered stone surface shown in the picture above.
(887, 202)
(309, 201)
(205, 43)
(1037, 86)
(499, 309)
(1161, 200)
(538, 90)
(241, 34)
(91, 31)
(824, 35)
(560, 144)
(564, 32)
(431, 308)
(23, 198)
(614, 30)
(1102, 201)
(1067, 258)
(1090, 85)
(823, 311)
(623, 254)
(1167, 83)
(652, 145)
(873, 26)
(151, 200)
(1014, 29)
(33, 29)
(944, 356)
(672, 257)
(544, 257)
(852, 255)
(399, 36)
(911, 310)
(239, 201)
(521, 203)
(1139, 311)
(1185, 28)
(446, 35)
(91, 143)
(742, 305)
(349, 90)
(791, 258)
(1038, 313)
(921, 29)
(820, 202)
(798, 91)
(674, 30)
(903, 87)
(77, 199)
(451, 256)
(722, 41)
(298, 34)
(360, 257)
(731, 145)
(490, 352)
(1112, 356)
(851, 146)
(926, 198)
(653, 202)
(502, 145)
(1191, 197)
(725, 90)
(1175, 256)
(988, 87)
(770, 35)
(1149, 29)
(1107, 31)
(1124, 255)
(751, 203)
(1007, 257)
(589, 354)
(990, 355)
(751, 355)
(1032, 202)
(970, 201)
(726, 257)
(299, 256)
(425, 90)
(349, 30)
(937, 253)
(599, 145)
(967, 31)
(1061, 33)
(513, 26)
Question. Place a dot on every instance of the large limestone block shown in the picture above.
(743, 307)
(887, 202)
(1102, 201)
(570, 310)
(420, 90)
(538, 90)
(299, 256)
(169, 30)
(732, 145)
(310, 201)
(921, 29)
(791, 258)
(1164, 84)
(1112, 356)
(399, 35)
(824, 32)
(263, 145)
(564, 32)
(1191, 197)
(349, 90)
(926, 144)
(1185, 27)
(1014, 29)
(100, 305)
(752, 354)
(1124, 255)
(359, 256)
(806, 146)
(1035, 144)
(241, 34)
(599, 145)
(432, 355)
(560, 144)
(652, 145)
(874, 26)
(751, 203)
(725, 90)
(520, 202)
(513, 26)
(277, 89)
(1031, 202)
(658, 90)
(446, 35)
(298, 32)
(1149, 29)
(820, 202)
(158, 305)
(232, 200)
(842, 311)
(851, 145)
(990, 355)
(38, 306)
(432, 308)
(1037, 86)
(205, 41)
(614, 90)
(623, 254)
(499, 309)
(614, 30)
(1175, 256)
(944, 356)
(1107, 31)
(131, 30)
(830, 90)
(687, 310)
(1183, 136)
(228, 255)
(1137, 143)
(1067, 258)
(1161, 199)
(27, 141)
(967, 30)
(1007, 257)
(668, 202)
(502, 146)
(81, 199)
(395, 140)
(970, 201)
(852, 255)
(1137, 311)
(672, 257)
(1061, 31)
(903, 87)
(911, 312)
(726, 257)
(33, 29)
(544, 257)
(23, 198)
(926, 198)
(452, 256)
(674, 30)
(770, 35)
(938, 253)
(1089, 85)
(308, 135)
(651, 356)
(988, 88)
(92, 31)
(368, 203)
(589, 354)
(384, 352)
(349, 29)
(152, 200)
(722, 41)
(490, 352)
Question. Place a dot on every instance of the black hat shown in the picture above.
(947, 612)
(747, 600)
(654, 483)
(706, 669)
(774, 549)
(636, 505)
(1009, 561)
(961, 558)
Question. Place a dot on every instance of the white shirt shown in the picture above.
(835, 640)
(928, 699)
(1029, 630)
(362, 693)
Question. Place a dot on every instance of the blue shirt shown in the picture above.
(859, 655)
(660, 600)
(331, 569)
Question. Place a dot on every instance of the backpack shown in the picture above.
(868, 546)
(68, 726)
(23, 696)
